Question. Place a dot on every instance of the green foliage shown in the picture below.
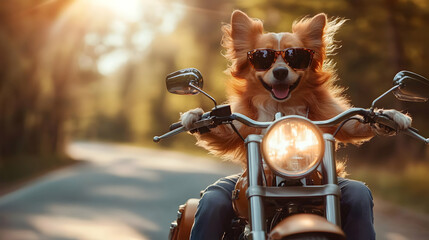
(73, 69)
(32, 99)
(407, 187)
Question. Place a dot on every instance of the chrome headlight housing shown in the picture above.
(293, 147)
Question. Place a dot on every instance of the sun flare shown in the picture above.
(127, 9)
(117, 30)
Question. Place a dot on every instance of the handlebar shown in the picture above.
(369, 116)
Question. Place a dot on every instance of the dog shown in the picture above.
(287, 72)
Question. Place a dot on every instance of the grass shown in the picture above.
(408, 186)
(19, 170)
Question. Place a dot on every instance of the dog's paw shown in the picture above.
(403, 122)
(191, 116)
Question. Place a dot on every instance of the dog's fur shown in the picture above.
(315, 96)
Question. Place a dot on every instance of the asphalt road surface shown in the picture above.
(132, 193)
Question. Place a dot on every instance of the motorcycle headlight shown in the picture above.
(293, 147)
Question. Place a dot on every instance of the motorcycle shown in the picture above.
(289, 189)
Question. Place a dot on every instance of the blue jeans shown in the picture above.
(215, 211)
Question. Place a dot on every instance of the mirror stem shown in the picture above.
(382, 95)
(201, 91)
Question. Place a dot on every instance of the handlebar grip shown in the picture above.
(386, 121)
(175, 125)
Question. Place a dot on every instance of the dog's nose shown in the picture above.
(280, 73)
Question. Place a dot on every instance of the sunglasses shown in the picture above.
(296, 58)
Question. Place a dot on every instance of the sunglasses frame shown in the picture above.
(277, 53)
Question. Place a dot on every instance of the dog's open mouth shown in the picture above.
(280, 91)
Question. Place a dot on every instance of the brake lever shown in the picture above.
(388, 122)
(175, 125)
(412, 132)
(177, 128)
(201, 124)
(169, 134)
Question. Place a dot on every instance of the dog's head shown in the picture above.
(279, 63)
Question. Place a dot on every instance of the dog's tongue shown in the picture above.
(280, 91)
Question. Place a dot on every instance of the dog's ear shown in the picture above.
(317, 33)
(316, 27)
(240, 36)
(244, 29)
(311, 30)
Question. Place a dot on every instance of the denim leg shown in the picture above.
(357, 218)
(214, 212)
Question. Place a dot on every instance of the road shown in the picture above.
(123, 192)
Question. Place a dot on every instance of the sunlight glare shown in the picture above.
(142, 39)
(176, 12)
(127, 9)
(120, 31)
(110, 62)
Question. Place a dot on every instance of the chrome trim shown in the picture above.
(332, 205)
(256, 205)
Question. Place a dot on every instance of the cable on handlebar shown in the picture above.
(236, 131)
(344, 122)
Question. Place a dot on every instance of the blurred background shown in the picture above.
(94, 70)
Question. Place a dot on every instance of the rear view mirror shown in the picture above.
(411, 87)
(185, 81)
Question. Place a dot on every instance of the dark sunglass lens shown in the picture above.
(262, 59)
(298, 58)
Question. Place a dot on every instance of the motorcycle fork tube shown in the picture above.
(256, 206)
(332, 201)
